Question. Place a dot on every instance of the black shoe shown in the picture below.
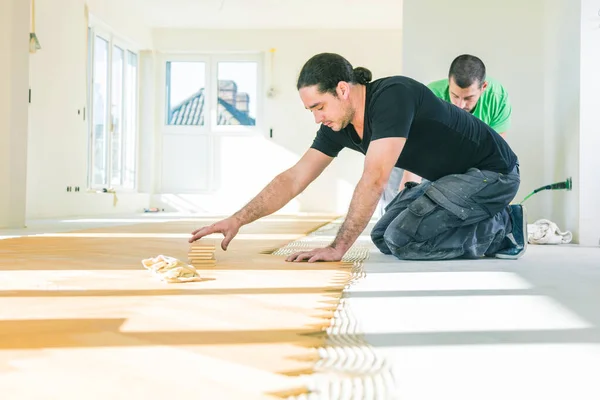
(518, 237)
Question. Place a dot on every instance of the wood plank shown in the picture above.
(85, 303)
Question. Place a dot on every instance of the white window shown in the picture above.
(112, 116)
(204, 98)
(217, 93)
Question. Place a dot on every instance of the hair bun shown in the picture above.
(362, 75)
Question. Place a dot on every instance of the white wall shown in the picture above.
(247, 163)
(561, 75)
(123, 16)
(589, 139)
(14, 44)
(534, 49)
(147, 121)
(58, 143)
(273, 14)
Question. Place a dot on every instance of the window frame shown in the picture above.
(182, 129)
(211, 61)
(97, 28)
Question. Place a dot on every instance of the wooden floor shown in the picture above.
(80, 318)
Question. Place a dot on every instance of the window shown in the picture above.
(204, 98)
(212, 92)
(237, 93)
(112, 105)
(186, 93)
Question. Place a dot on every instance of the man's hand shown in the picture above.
(323, 254)
(228, 227)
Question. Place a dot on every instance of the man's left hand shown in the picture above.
(323, 254)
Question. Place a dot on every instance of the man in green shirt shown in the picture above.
(468, 88)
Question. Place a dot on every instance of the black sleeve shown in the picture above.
(325, 143)
(393, 111)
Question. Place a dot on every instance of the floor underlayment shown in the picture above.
(485, 329)
(370, 327)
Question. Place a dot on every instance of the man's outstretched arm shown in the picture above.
(283, 188)
(380, 159)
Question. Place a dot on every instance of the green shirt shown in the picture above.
(493, 106)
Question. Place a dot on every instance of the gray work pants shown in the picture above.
(456, 216)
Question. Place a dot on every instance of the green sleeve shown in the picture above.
(439, 88)
(501, 121)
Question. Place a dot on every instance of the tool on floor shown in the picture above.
(562, 185)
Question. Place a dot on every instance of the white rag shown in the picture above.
(544, 231)
(171, 270)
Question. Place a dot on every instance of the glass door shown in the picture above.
(99, 112)
(113, 108)
(116, 116)
(130, 121)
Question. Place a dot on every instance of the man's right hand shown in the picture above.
(228, 227)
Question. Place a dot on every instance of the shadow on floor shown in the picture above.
(85, 333)
(569, 274)
(57, 292)
(467, 338)
(72, 333)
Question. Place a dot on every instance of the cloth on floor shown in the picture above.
(544, 231)
(171, 270)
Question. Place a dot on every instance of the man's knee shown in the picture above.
(395, 240)
(377, 236)
(406, 247)
(409, 236)
(409, 197)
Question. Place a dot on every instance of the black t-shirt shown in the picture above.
(441, 139)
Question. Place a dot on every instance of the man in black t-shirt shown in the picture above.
(470, 174)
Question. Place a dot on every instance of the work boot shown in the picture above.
(517, 239)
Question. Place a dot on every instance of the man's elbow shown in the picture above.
(377, 181)
(289, 179)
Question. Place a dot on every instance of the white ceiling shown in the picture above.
(273, 14)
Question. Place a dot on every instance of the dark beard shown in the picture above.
(347, 119)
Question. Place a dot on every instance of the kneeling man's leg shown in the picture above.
(462, 215)
(400, 202)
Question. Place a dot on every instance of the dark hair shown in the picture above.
(328, 69)
(467, 70)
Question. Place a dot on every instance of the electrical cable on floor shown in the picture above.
(563, 185)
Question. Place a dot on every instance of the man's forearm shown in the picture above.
(274, 196)
(363, 204)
